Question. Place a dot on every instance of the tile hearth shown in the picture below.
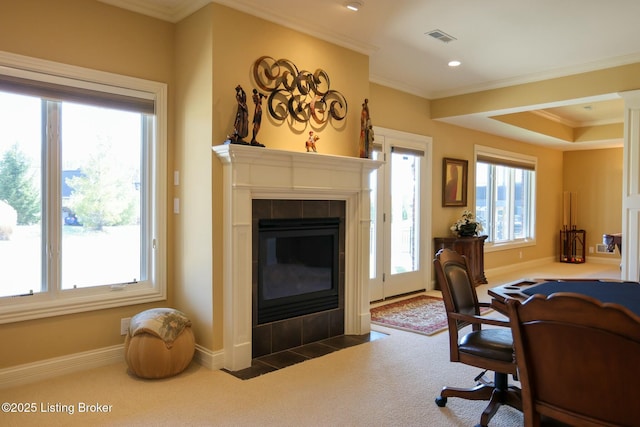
(273, 362)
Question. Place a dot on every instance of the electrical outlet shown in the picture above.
(124, 325)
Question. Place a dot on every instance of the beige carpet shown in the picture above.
(389, 382)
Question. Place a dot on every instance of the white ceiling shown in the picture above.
(499, 42)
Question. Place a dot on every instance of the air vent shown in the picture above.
(602, 249)
(441, 35)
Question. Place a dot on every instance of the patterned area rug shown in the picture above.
(421, 314)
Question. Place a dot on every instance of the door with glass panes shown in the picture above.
(399, 225)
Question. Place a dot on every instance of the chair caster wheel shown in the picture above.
(441, 401)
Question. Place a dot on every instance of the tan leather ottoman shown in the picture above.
(160, 343)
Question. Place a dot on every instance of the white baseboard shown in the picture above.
(58, 366)
(209, 359)
(513, 268)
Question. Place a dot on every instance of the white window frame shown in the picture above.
(480, 150)
(54, 302)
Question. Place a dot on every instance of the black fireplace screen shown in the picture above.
(298, 263)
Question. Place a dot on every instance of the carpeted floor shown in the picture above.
(387, 382)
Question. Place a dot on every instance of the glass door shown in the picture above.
(399, 229)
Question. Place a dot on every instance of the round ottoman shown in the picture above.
(159, 344)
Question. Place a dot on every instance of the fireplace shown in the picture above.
(298, 266)
(298, 273)
(277, 180)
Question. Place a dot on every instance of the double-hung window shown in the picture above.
(82, 193)
(505, 196)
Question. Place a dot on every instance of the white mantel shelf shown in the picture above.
(263, 173)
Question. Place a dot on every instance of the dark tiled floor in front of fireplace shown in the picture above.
(273, 362)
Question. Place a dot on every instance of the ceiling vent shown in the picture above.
(441, 35)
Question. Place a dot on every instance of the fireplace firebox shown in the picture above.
(298, 266)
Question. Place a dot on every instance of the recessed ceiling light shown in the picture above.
(354, 5)
(454, 63)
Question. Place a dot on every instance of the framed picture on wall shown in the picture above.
(454, 182)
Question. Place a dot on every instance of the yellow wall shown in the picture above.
(193, 235)
(595, 176)
(240, 39)
(594, 83)
(93, 35)
(202, 59)
(401, 111)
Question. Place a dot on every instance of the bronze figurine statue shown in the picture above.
(366, 131)
(241, 123)
(257, 116)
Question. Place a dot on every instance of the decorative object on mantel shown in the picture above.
(257, 116)
(311, 142)
(241, 123)
(299, 94)
(466, 226)
(454, 182)
(366, 131)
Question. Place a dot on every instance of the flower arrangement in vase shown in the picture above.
(466, 226)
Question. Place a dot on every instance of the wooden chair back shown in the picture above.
(578, 360)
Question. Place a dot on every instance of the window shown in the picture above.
(505, 196)
(82, 204)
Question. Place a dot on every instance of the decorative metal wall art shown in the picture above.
(298, 94)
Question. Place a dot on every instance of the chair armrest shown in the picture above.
(479, 320)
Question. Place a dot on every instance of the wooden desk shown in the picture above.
(615, 291)
(472, 248)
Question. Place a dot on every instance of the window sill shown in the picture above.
(41, 306)
(496, 247)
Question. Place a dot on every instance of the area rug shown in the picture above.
(421, 314)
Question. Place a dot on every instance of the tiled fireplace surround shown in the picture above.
(259, 177)
(284, 334)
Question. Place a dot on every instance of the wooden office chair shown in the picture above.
(489, 349)
(577, 360)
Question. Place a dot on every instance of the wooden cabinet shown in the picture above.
(470, 247)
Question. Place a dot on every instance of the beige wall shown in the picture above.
(193, 234)
(93, 35)
(202, 59)
(401, 111)
(590, 84)
(240, 39)
(595, 176)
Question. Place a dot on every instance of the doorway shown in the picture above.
(400, 214)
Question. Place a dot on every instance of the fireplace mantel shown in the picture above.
(261, 173)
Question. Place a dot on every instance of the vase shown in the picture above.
(467, 230)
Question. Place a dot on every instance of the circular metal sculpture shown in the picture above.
(300, 94)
